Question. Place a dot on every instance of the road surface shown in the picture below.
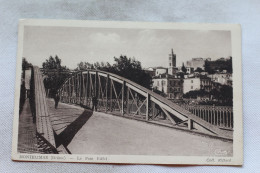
(86, 132)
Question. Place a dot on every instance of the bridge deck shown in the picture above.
(85, 133)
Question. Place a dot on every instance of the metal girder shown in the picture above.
(106, 91)
(166, 107)
(116, 79)
(168, 116)
(117, 96)
(136, 89)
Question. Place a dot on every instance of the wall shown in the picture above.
(191, 84)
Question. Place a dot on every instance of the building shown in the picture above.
(191, 84)
(197, 83)
(222, 78)
(150, 71)
(170, 85)
(172, 64)
(166, 80)
(205, 83)
(190, 70)
(197, 63)
(160, 71)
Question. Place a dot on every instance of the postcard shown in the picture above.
(128, 93)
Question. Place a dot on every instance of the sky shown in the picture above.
(149, 46)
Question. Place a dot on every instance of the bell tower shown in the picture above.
(172, 63)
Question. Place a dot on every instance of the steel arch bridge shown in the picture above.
(119, 96)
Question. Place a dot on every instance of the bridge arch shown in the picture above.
(120, 96)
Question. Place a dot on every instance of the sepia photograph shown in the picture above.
(128, 92)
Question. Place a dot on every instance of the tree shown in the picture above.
(132, 70)
(183, 68)
(208, 68)
(218, 65)
(229, 65)
(195, 93)
(199, 70)
(215, 93)
(84, 66)
(25, 64)
(226, 94)
(125, 67)
(180, 74)
(56, 74)
(52, 63)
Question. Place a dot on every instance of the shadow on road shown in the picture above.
(68, 134)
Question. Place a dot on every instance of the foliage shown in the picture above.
(159, 92)
(219, 65)
(25, 64)
(195, 93)
(180, 74)
(199, 70)
(183, 68)
(56, 74)
(84, 66)
(225, 95)
(123, 66)
(222, 95)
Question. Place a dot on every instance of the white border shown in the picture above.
(235, 30)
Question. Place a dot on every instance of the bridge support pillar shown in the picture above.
(70, 90)
(87, 89)
(110, 95)
(123, 97)
(107, 92)
(96, 85)
(127, 101)
(190, 124)
(147, 107)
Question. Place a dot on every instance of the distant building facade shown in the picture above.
(222, 78)
(166, 80)
(197, 63)
(190, 70)
(160, 71)
(191, 84)
(197, 83)
(170, 85)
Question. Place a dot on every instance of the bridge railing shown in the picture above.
(44, 129)
(221, 116)
(120, 96)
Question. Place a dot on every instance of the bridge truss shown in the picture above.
(120, 96)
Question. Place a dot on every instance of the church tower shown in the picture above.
(172, 64)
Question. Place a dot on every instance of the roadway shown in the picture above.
(85, 132)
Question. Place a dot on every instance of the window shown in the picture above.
(170, 58)
(170, 64)
(163, 82)
(191, 81)
(191, 87)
